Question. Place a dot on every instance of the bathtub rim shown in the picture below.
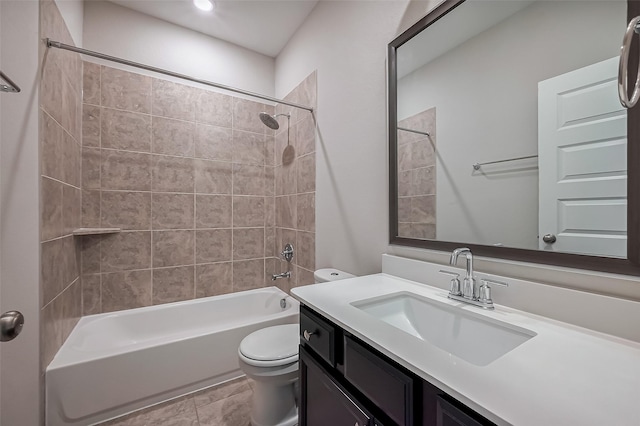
(59, 361)
(55, 402)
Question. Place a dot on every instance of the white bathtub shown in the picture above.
(119, 362)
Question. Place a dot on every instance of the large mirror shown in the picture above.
(507, 134)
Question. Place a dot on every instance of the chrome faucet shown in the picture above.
(470, 293)
(469, 284)
(287, 254)
(281, 275)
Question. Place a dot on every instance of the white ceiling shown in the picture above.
(264, 26)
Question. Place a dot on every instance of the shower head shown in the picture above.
(270, 120)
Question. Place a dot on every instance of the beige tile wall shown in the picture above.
(417, 177)
(206, 195)
(295, 186)
(60, 148)
(188, 175)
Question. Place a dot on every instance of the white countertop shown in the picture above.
(565, 375)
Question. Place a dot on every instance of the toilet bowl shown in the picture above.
(270, 357)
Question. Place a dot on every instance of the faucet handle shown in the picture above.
(486, 281)
(454, 274)
(455, 282)
(287, 253)
(484, 294)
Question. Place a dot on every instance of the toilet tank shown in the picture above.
(329, 274)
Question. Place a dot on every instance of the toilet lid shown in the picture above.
(272, 343)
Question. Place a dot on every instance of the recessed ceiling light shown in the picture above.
(205, 5)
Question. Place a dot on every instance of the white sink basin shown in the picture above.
(473, 338)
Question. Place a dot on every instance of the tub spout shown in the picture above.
(282, 275)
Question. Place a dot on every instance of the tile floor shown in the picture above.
(226, 405)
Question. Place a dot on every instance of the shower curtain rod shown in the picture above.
(58, 45)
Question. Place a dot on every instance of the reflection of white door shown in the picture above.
(19, 213)
(582, 148)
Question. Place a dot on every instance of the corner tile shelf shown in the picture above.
(95, 231)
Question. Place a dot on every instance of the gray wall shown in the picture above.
(345, 42)
(115, 30)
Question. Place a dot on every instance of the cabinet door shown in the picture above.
(323, 401)
(450, 415)
(384, 384)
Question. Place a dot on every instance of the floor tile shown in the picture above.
(232, 411)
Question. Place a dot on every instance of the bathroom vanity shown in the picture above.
(344, 381)
(382, 350)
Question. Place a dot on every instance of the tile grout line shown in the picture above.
(59, 295)
(60, 181)
(81, 221)
(195, 233)
(100, 186)
(233, 179)
(151, 187)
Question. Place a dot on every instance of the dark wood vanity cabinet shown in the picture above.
(324, 401)
(344, 381)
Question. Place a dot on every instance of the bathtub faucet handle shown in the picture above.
(287, 253)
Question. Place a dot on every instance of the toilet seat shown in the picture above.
(271, 346)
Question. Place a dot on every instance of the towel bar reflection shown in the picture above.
(478, 165)
(420, 132)
(10, 86)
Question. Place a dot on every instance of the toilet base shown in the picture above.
(290, 422)
(274, 405)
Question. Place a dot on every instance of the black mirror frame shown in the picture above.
(630, 265)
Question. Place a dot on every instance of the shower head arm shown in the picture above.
(271, 120)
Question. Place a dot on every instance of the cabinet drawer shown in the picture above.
(318, 334)
(384, 384)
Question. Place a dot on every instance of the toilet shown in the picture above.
(269, 357)
(329, 274)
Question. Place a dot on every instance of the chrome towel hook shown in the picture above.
(623, 68)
